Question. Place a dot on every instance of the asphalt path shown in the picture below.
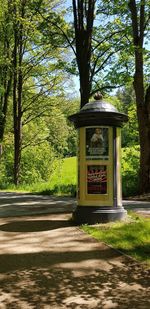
(19, 204)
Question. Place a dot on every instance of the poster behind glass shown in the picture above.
(96, 179)
(97, 143)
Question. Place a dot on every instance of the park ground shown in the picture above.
(47, 262)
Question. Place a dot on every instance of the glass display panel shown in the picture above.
(97, 143)
(96, 179)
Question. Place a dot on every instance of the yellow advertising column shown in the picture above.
(99, 181)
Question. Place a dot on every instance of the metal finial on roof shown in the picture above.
(98, 96)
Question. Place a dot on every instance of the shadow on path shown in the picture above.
(35, 226)
(55, 280)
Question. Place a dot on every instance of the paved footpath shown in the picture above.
(47, 263)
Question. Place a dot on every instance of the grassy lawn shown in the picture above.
(64, 179)
(131, 237)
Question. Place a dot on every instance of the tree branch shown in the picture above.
(105, 61)
(60, 29)
(107, 38)
(34, 144)
(31, 117)
(95, 62)
(101, 88)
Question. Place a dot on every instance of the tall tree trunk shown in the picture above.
(17, 94)
(83, 11)
(15, 108)
(83, 59)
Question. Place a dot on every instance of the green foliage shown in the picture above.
(58, 131)
(64, 178)
(37, 164)
(130, 133)
(46, 140)
(41, 170)
(124, 101)
(130, 170)
(131, 237)
(114, 100)
(6, 163)
(71, 142)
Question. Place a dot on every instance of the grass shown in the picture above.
(62, 182)
(130, 237)
(66, 172)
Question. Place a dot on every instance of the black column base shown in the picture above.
(93, 214)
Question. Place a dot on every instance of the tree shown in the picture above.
(140, 17)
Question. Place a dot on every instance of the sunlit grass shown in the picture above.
(132, 238)
(66, 171)
(62, 181)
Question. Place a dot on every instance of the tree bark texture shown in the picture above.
(17, 92)
(83, 24)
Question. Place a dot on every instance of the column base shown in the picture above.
(93, 214)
